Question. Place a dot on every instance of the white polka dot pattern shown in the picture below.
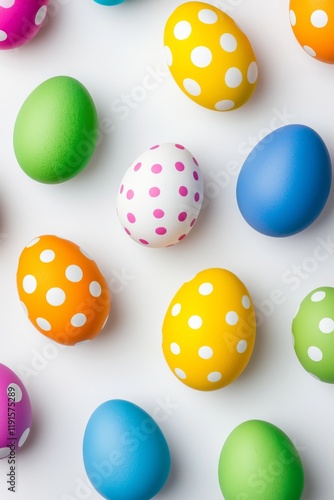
(23, 438)
(313, 333)
(74, 273)
(41, 15)
(309, 51)
(7, 4)
(43, 324)
(313, 25)
(18, 392)
(14, 422)
(182, 30)
(66, 297)
(228, 42)
(192, 87)
(55, 296)
(78, 320)
(195, 322)
(315, 353)
(209, 57)
(201, 57)
(209, 330)
(47, 256)
(29, 283)
(16, 18)
(224, 105)
(319, 18)
(176, 309)
(207, 16)
(180, 373)
(175, 348)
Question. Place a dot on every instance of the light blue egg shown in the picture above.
(285, 181)
(109, 2)
(125, 453)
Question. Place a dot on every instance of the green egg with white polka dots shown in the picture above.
(313, 333)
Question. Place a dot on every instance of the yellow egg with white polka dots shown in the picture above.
(209, 330)
(209, 57)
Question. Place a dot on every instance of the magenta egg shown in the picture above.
(15, 414)
(20, 21)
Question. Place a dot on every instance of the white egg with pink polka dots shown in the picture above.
(160, 196)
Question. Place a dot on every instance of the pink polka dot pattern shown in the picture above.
(20, 21)
(156, 169)
(154, 192)
(161, 196)
(179, 166)
(158, 213)
(131, 218)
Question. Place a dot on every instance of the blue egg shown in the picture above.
(285, 181)
(125, 453)
(109, 2)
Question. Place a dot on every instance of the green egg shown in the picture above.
(259, 462)
(313, 333)
(56, 130)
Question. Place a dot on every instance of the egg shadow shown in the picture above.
(111, 327)
(35, 430)
(167, 490)
(327, 212)
(4, 234)
(45, 32)
(309, 492)
(256, 366)
(254, 103)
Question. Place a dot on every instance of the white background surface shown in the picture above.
(111, 51)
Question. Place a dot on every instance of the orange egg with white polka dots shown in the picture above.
(312, 22)
(209, 57)
(209, 330)
(62, 290)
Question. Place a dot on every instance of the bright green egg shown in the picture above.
(313, 333)
(56, 130)
(259, 462)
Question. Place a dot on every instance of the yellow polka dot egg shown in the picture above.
(209, 330)
(209, 57)
(62, 290)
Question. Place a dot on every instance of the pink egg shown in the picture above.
(15, 414)
(20, 21)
